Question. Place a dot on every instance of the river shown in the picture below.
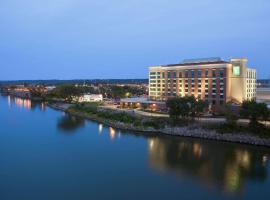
(47, 154)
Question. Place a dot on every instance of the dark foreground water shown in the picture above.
(46, 154)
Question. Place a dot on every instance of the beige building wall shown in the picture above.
(239, 81)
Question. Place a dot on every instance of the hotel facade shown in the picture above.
(211, 79)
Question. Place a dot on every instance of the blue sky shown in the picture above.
(69, 39)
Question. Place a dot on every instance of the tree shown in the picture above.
(177, 107)
(201, 105)
(231, 117)
(67, 92)
(254, 111)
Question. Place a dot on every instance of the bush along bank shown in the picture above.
(117, 119)
(128, 121)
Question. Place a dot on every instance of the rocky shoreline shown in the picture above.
(194, 131)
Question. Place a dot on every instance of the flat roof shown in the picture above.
(140, 100)
(196, 63)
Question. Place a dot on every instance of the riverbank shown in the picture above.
(194, 130)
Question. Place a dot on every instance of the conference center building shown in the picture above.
(211, 79)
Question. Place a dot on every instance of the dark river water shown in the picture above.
(47, 154)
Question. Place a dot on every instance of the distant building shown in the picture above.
(263, 95)
(142, 102)
(91, 98)
(263, 83)
(211, 79)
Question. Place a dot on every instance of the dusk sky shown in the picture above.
(85, 39)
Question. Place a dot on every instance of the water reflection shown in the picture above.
(26, 104)
(227, 166)
(112, 133)
(68, 123)
(100, 128)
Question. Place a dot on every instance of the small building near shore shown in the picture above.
(142, 102)
(91, 98)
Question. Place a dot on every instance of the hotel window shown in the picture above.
(221, 73)
(206, 96)
(221, 96)
(192, 74)
(174, 74)
(152, 73)
(206, 73)
(186, 90)
(200, 73)
(213, 91)
(206, 91)
(163, 74)
(221, 102)
(214, 102)
(206, 81)
(180, 74)
(169, 74)
(214, 73)
(199, 90)
(186, 73)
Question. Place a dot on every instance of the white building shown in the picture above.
(90, 98)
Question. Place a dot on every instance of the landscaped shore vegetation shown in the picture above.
(93, 111)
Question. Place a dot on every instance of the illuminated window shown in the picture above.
(236, 70)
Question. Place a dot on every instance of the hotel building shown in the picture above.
(211, 79)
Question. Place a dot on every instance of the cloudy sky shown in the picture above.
(68, 39)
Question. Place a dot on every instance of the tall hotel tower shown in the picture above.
(211, 79)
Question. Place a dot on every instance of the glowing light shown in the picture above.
(119, 134)
(264, 159)
(151, 144)
(9, 102)
(112, 133)
(100, 128)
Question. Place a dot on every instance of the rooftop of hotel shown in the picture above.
(200, 61)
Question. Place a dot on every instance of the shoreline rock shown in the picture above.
(193, 131)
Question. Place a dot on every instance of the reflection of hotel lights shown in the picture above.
(100, 127)
(42, 106)
(151, 144)
(243, 158)
(265, 159)
(9, 102)
(197, 149)
(112, 133)
(119, 134)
